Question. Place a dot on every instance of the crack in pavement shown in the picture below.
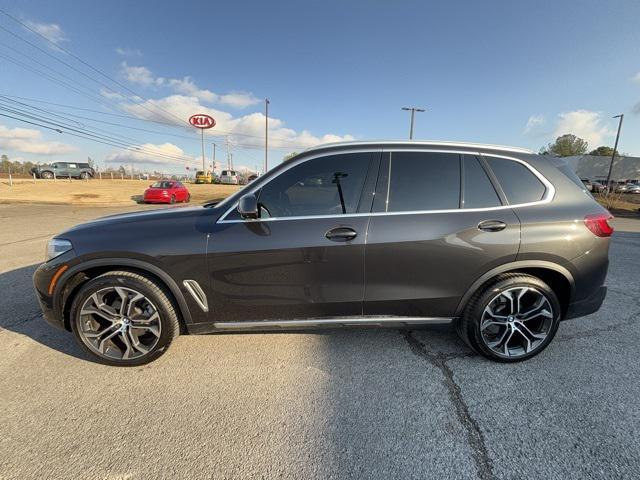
(35, 316)
(630, 320)
(468, 423)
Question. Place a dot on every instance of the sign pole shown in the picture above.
(203, 159)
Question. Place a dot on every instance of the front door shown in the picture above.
(438, 225)
(304, 257)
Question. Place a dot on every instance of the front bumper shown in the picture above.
(41, 280)
(587, 306)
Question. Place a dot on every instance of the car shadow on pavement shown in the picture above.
(21, 314)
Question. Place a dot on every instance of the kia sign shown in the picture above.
(200, 120)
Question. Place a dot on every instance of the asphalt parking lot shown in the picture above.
(333, 404)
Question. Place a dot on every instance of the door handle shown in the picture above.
(341, 234)
(492, 226)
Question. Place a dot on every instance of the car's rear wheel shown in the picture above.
(173, 199)
(188, 198)
(84, 175)
(511, 319)
(47, 175)
(123, 318)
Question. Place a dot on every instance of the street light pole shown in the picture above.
(613, 155)
(213, 161)
(413, 111)
(266, 133)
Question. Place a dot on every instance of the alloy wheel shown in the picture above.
(516, 321)
(119, 323)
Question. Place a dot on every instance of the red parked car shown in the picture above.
(166, 191)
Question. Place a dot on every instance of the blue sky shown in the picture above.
(509, 72)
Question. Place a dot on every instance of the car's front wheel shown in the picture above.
(511, 319)
(46, 175)
(123, 318)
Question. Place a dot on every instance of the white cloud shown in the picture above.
(139, 75)
(128, 52)
(636, 77)
(186, 86)
(27, 140)
(533, 122)
(238, 99)
(150, 153)
(52, 31)
(584, 124)
(111, 95)
(245, 129)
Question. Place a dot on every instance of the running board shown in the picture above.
(338, 322)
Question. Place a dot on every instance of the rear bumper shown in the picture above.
(587, 306)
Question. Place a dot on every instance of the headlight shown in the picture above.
(57, 246)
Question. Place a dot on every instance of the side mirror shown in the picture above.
(248, 206)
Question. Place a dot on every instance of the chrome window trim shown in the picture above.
(547, 198)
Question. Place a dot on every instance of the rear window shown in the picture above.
(161, 185)
(519, 184)
(84, 165)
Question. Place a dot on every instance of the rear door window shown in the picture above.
(478, 189)
(519, 184)
(423, 181)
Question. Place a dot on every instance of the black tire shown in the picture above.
(173, 199)
(468, 326)
(169, 324)
(84, 176)
(188, 199)
(46, 175)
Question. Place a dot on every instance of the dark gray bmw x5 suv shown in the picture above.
(503, 242)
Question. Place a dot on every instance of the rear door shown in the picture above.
(438, 224)
(304, 257)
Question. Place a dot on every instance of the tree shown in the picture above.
(603, 151)
(566, 146)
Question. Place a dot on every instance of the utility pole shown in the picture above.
(231, 159)
(613, 155)
(226, 139)
(266, 133)
(413, 111)
(213, 161)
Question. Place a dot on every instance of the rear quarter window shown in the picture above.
(518, 182)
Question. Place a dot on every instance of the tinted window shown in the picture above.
(323, 186)
(84, 165)
(72, 165)
(519, 183)
(423, 181)
(478, 190)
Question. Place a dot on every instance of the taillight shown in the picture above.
(599, 225)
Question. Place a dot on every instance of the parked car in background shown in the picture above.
(623, 187)
(390, 234)
(593, 185)
(166, 191)
(203, 177)
(64, 170)
(252, 177)
(230, 177)
(633, 188)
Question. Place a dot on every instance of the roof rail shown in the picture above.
(437, 143)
